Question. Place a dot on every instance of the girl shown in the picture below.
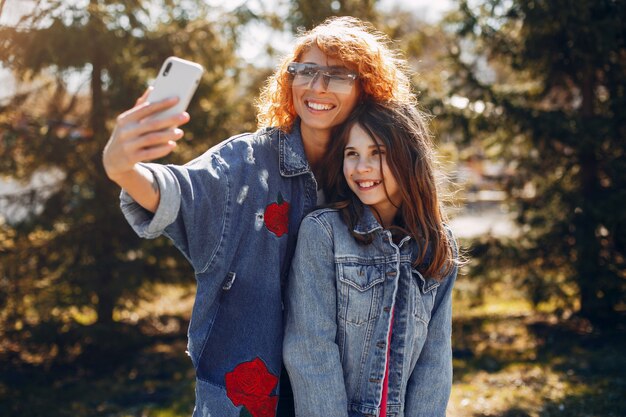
(368, 324)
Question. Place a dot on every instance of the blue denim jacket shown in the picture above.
(234, 212)
(340, 299)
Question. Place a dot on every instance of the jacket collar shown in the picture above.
(291, 152)
(367, 223)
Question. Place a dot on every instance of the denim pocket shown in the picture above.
(360, 292)
(423, 293)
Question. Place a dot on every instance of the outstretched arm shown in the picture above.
(141, 135)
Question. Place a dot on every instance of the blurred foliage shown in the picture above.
(545, 83)
(305, 14)
(523, 364)
(72, 257)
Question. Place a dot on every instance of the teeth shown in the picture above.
(318, 106)
(368, 184)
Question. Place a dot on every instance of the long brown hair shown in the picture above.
(383, 71)
(410, 156)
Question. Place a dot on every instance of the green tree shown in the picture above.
(306, 14)
(76, 253)
(549, 79)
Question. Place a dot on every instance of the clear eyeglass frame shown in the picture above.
(334, 79)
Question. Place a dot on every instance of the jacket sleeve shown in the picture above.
(430, 383)
(192, 208)
(151, 225)
(310, 352)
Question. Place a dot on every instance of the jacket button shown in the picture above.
(380, 345)
(386, 309)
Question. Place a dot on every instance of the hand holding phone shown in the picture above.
(132, 141)
(177, 77)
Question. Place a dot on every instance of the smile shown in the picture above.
(367, 184)
(319, 106)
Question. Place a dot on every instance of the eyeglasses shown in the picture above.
(335, 79)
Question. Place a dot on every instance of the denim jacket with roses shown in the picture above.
(234, 212)
(341, 298)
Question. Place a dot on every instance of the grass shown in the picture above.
(513, 362)
(509, 362)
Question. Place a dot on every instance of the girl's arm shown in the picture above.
(429, 386)
(310, 353)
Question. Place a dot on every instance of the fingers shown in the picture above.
(155, 152)
(147, 126)
(142, 149)
(156, 123)
(122, 151)
(144, 96)
(153, 140)
(145, 109)
(141, 134)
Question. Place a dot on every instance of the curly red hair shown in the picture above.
(382, 70)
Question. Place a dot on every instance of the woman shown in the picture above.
(369, 300)
(234, 211)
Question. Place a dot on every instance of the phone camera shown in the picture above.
(167, 69)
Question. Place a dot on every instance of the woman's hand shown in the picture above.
(140, 135)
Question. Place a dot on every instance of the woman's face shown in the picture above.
(368, 175)
(320, 108)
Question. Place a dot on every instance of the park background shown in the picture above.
(528, 103)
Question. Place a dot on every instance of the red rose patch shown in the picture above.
(276, 216)
(250, 385)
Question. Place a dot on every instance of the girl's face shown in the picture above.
(320, 109)
(368, 175)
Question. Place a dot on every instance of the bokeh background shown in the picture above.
(528, 102)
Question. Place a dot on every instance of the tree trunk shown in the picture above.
(593, 304)
(102, 248)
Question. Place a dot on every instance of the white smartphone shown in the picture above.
(177, 77)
